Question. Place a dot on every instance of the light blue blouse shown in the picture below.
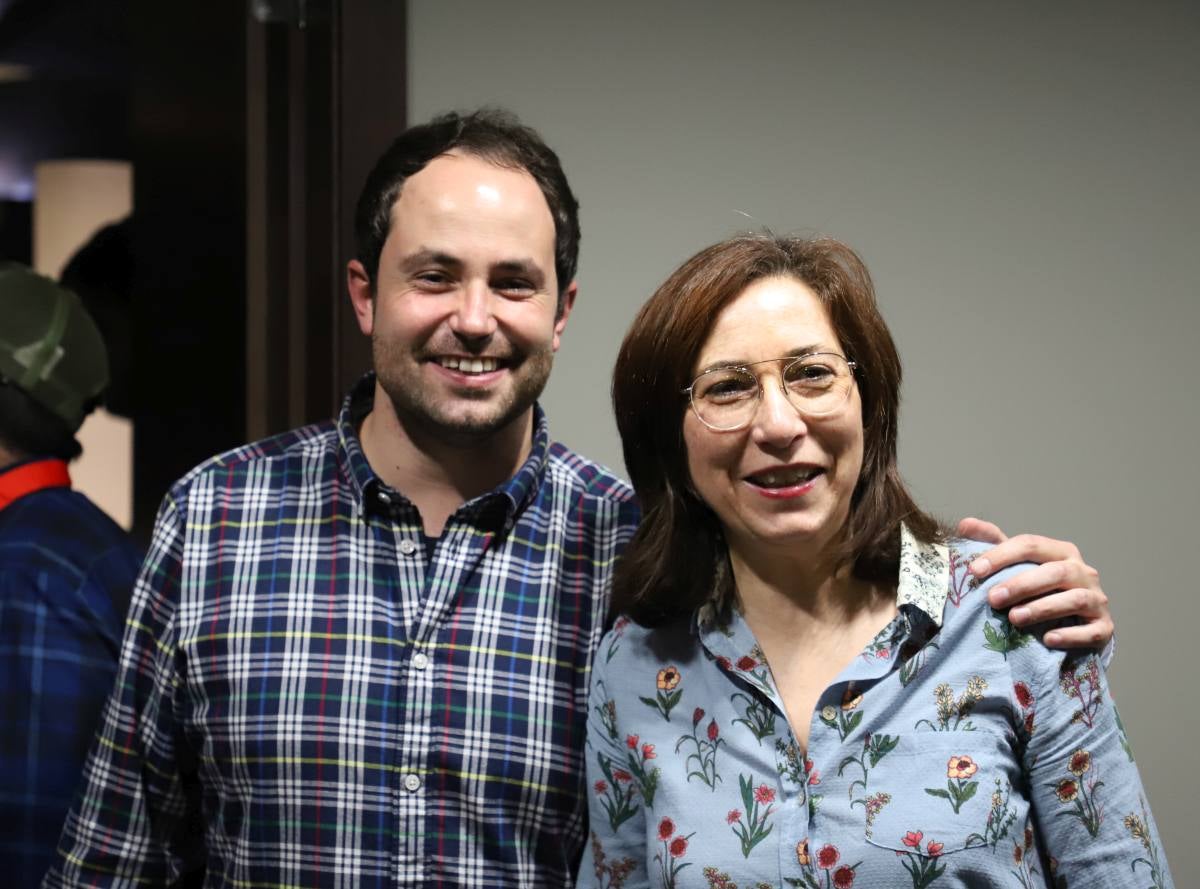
(954, 751)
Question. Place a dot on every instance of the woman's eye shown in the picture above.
(728, 389)
(809, 374)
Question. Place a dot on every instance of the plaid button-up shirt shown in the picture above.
(66, 574)
(305, 698)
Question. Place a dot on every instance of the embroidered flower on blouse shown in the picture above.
(1080, 762)
(668, 678)
(961, 767)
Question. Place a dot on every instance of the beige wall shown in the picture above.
(1022, 182)
(75, 199)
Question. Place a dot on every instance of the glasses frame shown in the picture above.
(690, 391)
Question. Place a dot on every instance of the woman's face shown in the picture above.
(784, 479)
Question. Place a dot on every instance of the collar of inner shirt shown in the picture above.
(495, 510)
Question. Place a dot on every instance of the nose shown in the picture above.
(472, 318)
(776, 421)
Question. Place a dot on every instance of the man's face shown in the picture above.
(463, 323)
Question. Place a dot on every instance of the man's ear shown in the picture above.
(566, 303)
(362, 297)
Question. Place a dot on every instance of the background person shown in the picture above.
(818, 691)
(66, 569)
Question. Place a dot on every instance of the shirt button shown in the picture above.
(407, 547)
(828, 713)
(384, 498)
(412, 783)
(420, 660)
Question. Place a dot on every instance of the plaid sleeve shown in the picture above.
(126, 824)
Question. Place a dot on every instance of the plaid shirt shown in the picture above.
(66, 574)
(305, 699)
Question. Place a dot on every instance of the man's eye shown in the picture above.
(432, 279)
(514, 287)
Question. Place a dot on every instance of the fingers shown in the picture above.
(1086, 604)
(1052, 577)
(1024, 548)
(1090, 606)
(978, 529)
(1061, 585)
(1094, 634)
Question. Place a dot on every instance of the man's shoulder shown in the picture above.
(264, 460)
(570, 468)
(60, 532)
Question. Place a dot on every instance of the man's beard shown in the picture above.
(468, 418)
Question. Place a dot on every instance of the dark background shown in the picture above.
(250, 131)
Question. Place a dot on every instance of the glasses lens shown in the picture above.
(818, 384)
(725, 398)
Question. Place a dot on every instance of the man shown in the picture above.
(66, 569)
(358, 653)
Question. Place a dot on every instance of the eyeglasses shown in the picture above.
(726, 398)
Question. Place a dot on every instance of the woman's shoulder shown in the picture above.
(628, 646)
(969, 616)
(967, 595)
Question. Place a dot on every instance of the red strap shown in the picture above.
(30, 477)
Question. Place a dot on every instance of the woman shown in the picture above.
(818, 694)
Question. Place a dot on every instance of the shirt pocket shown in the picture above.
(936, 793)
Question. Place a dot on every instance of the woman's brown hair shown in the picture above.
(678, 560)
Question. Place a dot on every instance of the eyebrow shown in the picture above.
(526, 267)
(800, 352)
(429, 256)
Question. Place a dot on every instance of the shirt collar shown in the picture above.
(355, 467)
(505, 500)
(28, 477)
(520, 490)
(924, 576)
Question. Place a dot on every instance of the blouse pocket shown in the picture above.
(936, 793)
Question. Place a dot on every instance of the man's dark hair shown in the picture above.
(27, 429)
(491, 134)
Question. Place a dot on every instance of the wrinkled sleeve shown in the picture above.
(1093, 819)
(61, 635)
(127, 825)
(615, 855)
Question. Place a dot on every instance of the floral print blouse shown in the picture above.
(956, 750)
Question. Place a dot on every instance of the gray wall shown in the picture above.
(1023, 184)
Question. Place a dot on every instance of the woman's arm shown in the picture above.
(615, 855)
(1093, 820)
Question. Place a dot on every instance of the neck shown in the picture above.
(436, 475)
(812, 598)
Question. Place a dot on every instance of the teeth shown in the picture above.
(469, 365)
(784, 478)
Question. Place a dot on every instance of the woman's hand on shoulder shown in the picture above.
(1060, 585)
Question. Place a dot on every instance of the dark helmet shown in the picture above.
(49, 345)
